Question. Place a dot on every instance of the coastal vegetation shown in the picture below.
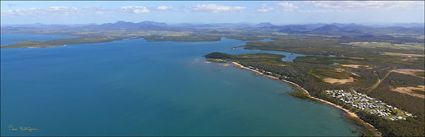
(191, 38)
(61, 42)
(298, 93)
(310, 72)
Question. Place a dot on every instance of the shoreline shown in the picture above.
(353, 116)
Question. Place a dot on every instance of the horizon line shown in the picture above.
(247, 23)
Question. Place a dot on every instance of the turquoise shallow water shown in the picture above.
(135, 87)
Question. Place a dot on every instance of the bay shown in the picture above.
(136, 87)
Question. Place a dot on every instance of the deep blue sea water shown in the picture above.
(135, 87)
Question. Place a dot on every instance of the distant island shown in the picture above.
(374, 72)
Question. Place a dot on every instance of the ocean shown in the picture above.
(138, 87)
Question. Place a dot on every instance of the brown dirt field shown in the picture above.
(402, 54)
(410, 90)
(354, 66)
(408, 59)
(408, 71)
(338, 81)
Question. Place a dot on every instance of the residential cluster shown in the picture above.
(370, 105)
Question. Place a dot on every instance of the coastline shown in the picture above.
(347, 112)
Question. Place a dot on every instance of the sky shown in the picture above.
(173, 12)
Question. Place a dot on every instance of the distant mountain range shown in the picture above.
(344, 29)
(131, 25)
(320, 29)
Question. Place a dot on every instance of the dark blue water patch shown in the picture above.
(135, 87)
(8, 39)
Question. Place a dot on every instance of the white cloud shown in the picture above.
(42, 11)
(264, 9)
(163, 7)
(216, 8)
(354, 5)
(135, 9)
(286, 6)
(97, 10)
(58, 8)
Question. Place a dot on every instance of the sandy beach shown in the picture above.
(348, 113)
